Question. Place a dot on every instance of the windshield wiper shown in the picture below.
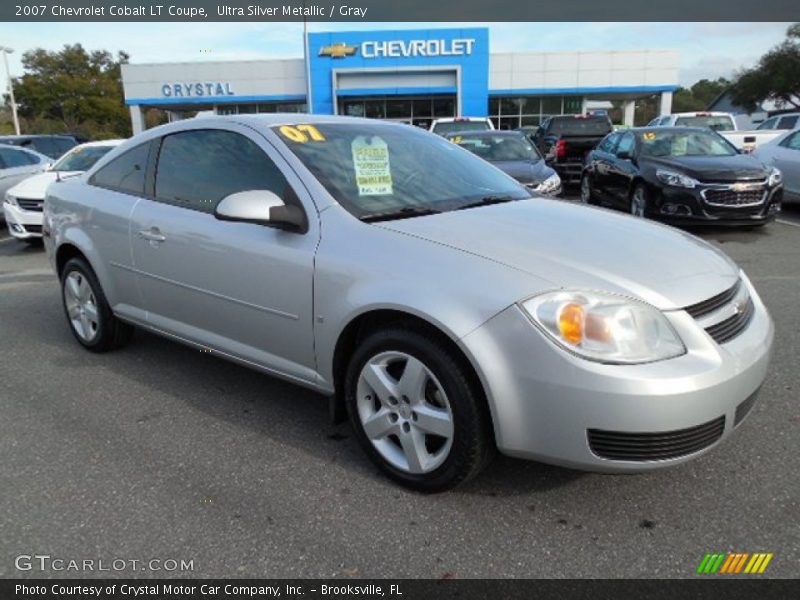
(487, 200)
(403, 213)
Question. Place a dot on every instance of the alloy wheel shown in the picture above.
(638, 202)
(405, 412)
(81, 304)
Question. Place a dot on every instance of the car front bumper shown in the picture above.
(546, 403)
(680, 205)
(22, 224)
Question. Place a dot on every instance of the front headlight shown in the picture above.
(775, 177)
(10, 199)
(549, 185)
(605, 327)
(676, 179)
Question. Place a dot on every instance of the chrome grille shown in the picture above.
(726, 330)
(735, 195)
(30, 204)
(708, 306)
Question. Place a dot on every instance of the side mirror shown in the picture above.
(261, 207)
(624, 155)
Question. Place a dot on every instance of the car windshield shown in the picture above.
(382, 168)
(685, 143)
(498, 148)
(454, 126)
(81, 158)
(719, 123)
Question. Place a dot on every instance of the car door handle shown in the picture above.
(153, 235)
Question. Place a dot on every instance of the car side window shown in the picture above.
(626, 144)
(787, 122)
(126, 173)
(11, 158)
(196, 169)
(792, 142)
(768, 124)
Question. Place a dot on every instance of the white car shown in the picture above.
(721, 122)
(24, 201)
(450, 125)
(18, 163)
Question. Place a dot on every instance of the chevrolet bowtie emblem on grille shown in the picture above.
(741, 187)
(738, 307)
(338, 50)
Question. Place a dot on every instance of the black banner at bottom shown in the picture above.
(400, 589)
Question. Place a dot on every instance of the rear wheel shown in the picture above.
(88, 313)
(415, 410)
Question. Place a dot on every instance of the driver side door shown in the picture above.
(243, 290)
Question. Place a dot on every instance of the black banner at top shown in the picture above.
(397, 10)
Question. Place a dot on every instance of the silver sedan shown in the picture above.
(428, 294)
(784, 153)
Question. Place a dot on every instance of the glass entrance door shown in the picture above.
(414, 110)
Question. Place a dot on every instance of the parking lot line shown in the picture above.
(792, 223)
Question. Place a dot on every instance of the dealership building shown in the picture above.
(410, 76)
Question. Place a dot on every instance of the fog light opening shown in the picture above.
(671, 208)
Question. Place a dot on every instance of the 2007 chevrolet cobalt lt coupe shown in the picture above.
(450, 311)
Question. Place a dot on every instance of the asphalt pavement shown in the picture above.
(158, 451)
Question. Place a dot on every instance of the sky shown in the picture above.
(707, 50)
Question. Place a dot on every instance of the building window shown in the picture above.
(419, 111)
(263, 107)
(510, 112)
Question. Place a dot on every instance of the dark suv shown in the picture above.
(50, 145)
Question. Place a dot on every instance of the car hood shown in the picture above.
(35, 187)
(580, 247)
(525, 171)
(715, 168)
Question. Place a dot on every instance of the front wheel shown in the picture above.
(89, 316)
(416, 411)
(586, 190)
(639, 206)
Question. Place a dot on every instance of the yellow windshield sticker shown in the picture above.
(457, 139)
(301, 133)
(371, 164)
(649, 136)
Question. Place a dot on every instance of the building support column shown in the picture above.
(628, 109)
(665, 106)
(137, 119)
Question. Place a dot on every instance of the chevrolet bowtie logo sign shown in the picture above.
(338, 50)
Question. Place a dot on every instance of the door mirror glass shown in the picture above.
(624, 154)
(261, 207)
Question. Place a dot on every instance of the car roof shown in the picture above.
(678, 129)
(94, 144)
(35, 136)
(457, 119)
(702, 113)
(487, 133)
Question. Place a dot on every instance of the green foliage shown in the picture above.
(776, 77)
(699, 96)
(72, 90)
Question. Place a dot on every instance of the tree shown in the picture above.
(699, 96)
(73, 90)
(776, 77)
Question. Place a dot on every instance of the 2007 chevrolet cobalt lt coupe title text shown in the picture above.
(451, 312)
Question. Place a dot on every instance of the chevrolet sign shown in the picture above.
(402, 48)
(338, 50)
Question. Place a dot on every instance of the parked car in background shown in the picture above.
(721, 122)
(448, 309)
(18, 163)
(49, 145)
(681, 175)
(784, 122)
(513, 153)
(23, 203)
(783, 153)
(449, 125)
(565, 140)
(528, 130)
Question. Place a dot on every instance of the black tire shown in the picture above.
(111, 333)
(641, 189)
(586, 186)
(473, 441)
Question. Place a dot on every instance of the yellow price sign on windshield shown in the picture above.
(649, 136)
(302, 133)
